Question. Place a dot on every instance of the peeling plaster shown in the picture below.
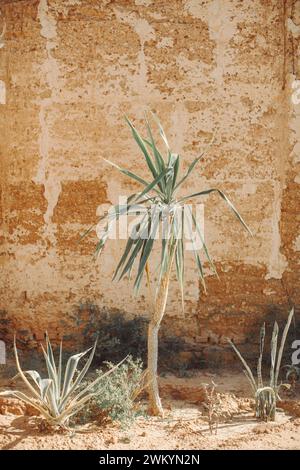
(296, 244)
(64, 6)
(222, 27)
(50, 71)
(2, 92)
(277, 261)
(144, 3)
(293, 28)
(295, 124)
(145, 32)
(249, 188)
(165, 42)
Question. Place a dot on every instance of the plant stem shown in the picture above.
(155, 406)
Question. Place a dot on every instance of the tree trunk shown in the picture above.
(155, 406)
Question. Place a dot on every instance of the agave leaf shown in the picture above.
(155, 182)
(140, 143)
(148, 245)
(247, 368)
(283, 339)
(130, 174)
(200, 269)
(106, 231)
(132, 258)
(161, 131)
(176, 169)
(35, 376)
(250, 380)
(197, 257)
(166, 251)
(273, 354)
(114, 214)
(225, 198)
(171, 175)
(86, 233)
(44, 386)
(59, 372)
(132, 240)
(50, 353)
(70, 371)
(29, 401)
(204, 245)
(50, 393)
(92, 385)
(80, 376)
(51, 371)
(71, 410)
(261, 350)
(21, 373)
(160, 164)
(129, 245)
(143, 235)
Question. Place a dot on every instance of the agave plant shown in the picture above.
(266, 396)
(60, 395)
(162, 210)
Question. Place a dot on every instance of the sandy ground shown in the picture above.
(185, 425)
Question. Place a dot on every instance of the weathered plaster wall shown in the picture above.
(71, 69)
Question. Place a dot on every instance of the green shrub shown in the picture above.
(116, 397)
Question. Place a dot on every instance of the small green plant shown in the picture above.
(116, 397)
(61, 395)
(266, 396)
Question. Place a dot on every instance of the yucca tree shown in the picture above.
(161, 211)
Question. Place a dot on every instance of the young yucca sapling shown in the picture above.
(163, 211)
(266, 396)
(61, 395)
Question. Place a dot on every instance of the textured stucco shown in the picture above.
(71, 69)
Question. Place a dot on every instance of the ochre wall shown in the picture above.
(72, 68)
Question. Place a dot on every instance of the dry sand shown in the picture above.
(185, 424)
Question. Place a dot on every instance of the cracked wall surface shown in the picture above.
(71, 69)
